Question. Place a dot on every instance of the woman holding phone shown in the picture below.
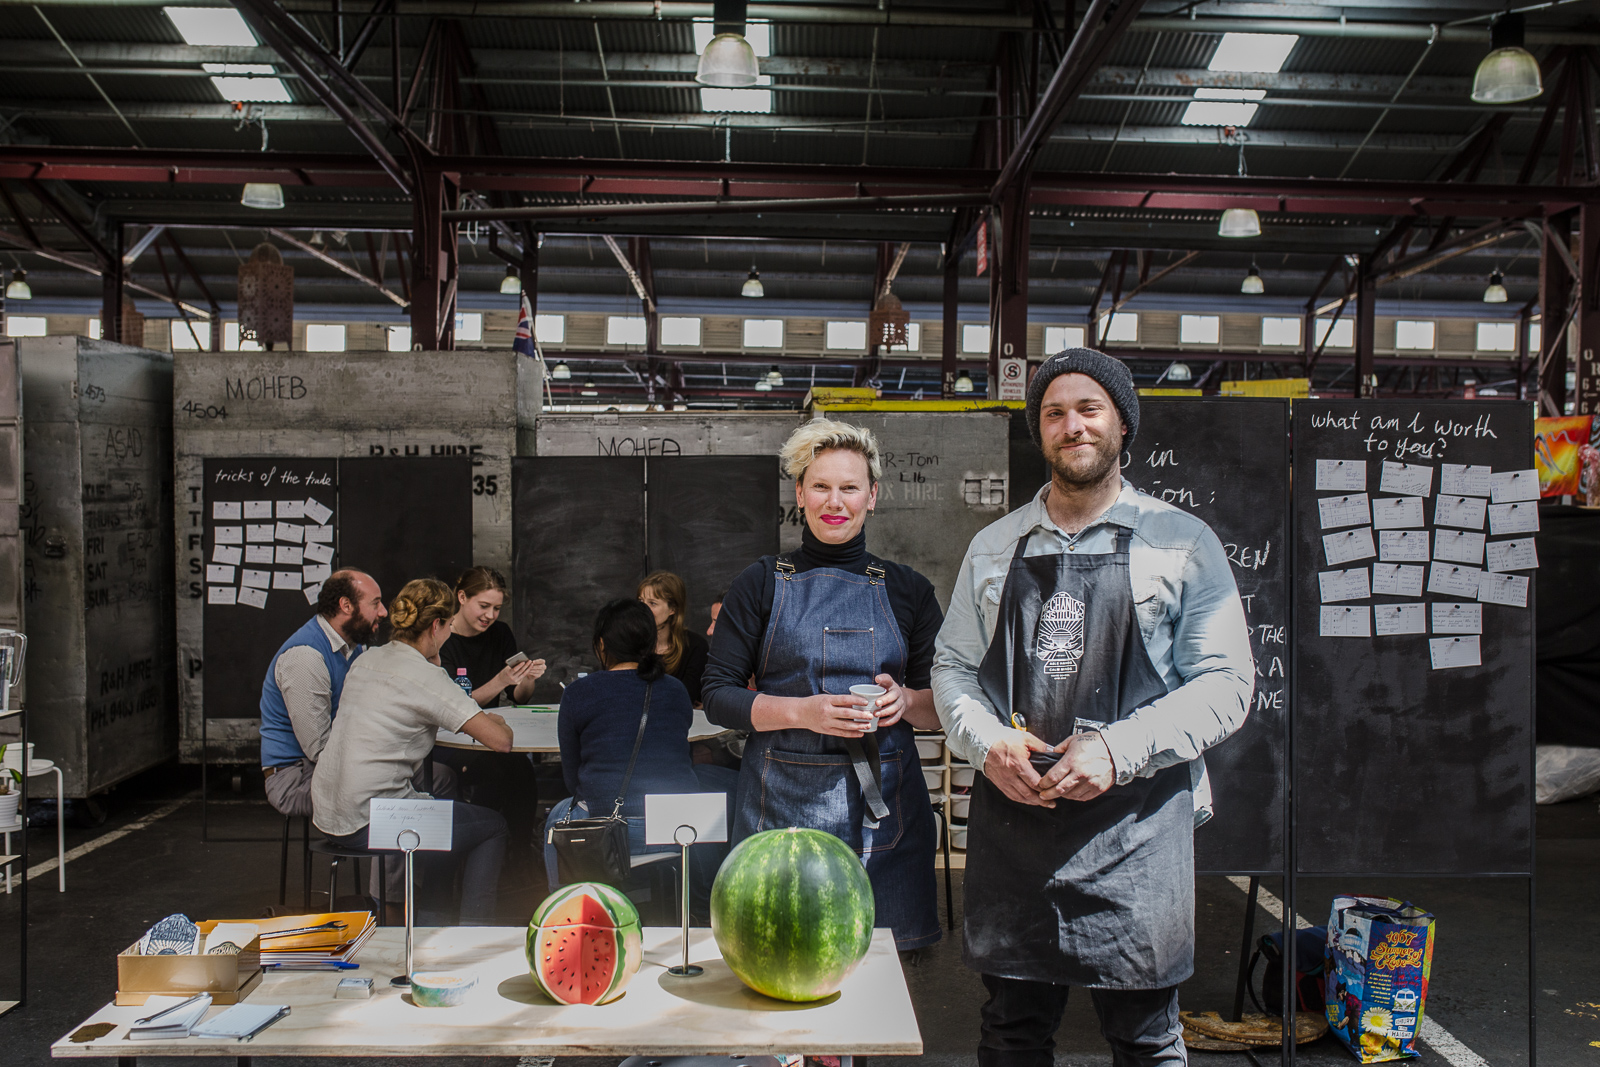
(809, 626)
(483, 646)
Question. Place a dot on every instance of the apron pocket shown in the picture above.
(819, 791)
(849, 657)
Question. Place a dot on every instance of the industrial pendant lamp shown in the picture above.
(19, 289)
(588, 388)
(1496, 293)
(763, 385)
(1509, 74)
(774, 376)
(268, 196)
(510, 285)
(963, 382)
(1179, 372)
(752, 284)
(561, 372)
(728, 61)
(1240, 222)
(1253, 285)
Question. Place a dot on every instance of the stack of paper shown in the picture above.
(169, 1018)
(314, 940)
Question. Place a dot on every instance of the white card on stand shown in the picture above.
(390, 816)
(707, 813)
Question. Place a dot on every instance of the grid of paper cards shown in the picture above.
(263, 545)
(1377, 542)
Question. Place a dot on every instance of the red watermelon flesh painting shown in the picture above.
(582, 951)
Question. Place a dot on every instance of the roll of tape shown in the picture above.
(441, 989)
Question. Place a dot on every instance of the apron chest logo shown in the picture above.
(1058, 640)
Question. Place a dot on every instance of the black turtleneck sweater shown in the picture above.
(747, 606)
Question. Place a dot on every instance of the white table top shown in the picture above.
(506, 1015)
(535, 731)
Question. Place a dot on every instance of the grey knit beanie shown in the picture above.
(1112, 374)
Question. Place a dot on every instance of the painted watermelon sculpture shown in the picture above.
(584, 944)
(792, 912)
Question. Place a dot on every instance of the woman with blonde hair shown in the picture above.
(394, 702)
(683, 652)
(809, 625)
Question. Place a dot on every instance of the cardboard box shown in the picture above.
(228, 977)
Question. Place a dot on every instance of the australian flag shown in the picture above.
(524, 341)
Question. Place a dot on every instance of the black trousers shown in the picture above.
(1020, 1021)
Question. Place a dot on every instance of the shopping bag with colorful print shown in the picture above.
(1378, 958)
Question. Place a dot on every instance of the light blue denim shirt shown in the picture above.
(1189, 614)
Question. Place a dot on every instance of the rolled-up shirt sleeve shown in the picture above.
(724, 688)
(1211, 653)
(970, 721)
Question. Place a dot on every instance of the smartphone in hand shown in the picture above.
(520, 657)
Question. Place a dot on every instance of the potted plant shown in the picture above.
(10, 792)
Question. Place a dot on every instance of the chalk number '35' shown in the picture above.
(485, 484)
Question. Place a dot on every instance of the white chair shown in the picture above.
(35, 768)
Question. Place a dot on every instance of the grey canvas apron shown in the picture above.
(831, 629)
(1092, 893)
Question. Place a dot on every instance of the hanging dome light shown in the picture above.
(510, 285)
(588, 388)
(1252, 284)
(1496, 293)
(316, 239)
(752, 285)
(561, 372)
(19, 289)
(1240, 222)
(963, 383)
(268, 196)
(1509, 74)
(763, 386)
(1179, 372)
(774, 376)
(728, 63)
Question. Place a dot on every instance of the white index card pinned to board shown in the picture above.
(391, 816)
(665, 812)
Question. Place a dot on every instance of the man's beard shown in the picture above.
(1106, 457)
(359, 630)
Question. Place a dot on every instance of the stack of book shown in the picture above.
(326, 941)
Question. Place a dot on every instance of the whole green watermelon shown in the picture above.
(792, 913)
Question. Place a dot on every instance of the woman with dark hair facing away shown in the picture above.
(480, 643)
(394, 703)
(597, 725)
(682, 651)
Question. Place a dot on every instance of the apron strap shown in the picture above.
(864, 759)
(1124, 539)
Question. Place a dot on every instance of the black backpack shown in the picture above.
(1309, 945)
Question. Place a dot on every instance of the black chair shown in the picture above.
(283, 861)
(337, 853)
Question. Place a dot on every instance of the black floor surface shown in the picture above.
(1478, 993)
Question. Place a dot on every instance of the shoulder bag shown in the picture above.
(596, 849)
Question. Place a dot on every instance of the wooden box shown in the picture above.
(228, 977)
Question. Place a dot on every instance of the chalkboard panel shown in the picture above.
(405, 518)
(1227, 461)
(578, 530)
(1401, 768)
(710, 517)
(252, 509)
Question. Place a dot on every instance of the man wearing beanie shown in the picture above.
(1095, 646)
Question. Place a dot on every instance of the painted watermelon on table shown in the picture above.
(584, 944)
(792, 912)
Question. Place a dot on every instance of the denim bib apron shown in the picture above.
(1093, 893)
(831, 629)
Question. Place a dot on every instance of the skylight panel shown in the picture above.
(1253, 53)
(211, 25)
(249, 90)
(759, 34)
(752, 101)
(1222, 107)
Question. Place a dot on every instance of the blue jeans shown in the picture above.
(478, 844)
(704, 860)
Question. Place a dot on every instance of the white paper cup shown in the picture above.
(870, 693)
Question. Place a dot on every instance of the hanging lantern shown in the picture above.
(266, 298)
(886, 324)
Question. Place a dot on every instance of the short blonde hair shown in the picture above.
(420, 604)
(822, 435)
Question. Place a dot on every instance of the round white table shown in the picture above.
(533, 729)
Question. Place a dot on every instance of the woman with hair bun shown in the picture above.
(395, 700)
(809, 625)
(682, 650)
(599, 721)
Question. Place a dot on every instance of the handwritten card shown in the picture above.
(1397, 512)
(1447, 652)
(258, 509)
(228, 535)
(317, 512)
(291, 509)
(1394, 579)
(1519, 555)
(1403, 546)
(219, 572)
(1391, 619)
(312, 592)
(221, 594)
(1508, 589)
(258, 554)
(1459, 546)
(1513, 518)
(317, 572)
(1451, 618)
(1346, 622)
(255, 598)
(258, 531)
(290, 531)
(226, 509)
(289, 554)
(1349, 510)
(1464, 481)
(1506, 486)
(318, 553)
(431, 820)
(226, 554)
(1464, 511)
(319, 533)
(1349, 546)
(1341, 585)
(257, 579)
(286, 580)
(1412, 479)
(1453, 579)
(1336, 475)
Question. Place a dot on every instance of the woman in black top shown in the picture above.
(808, 625)
(480, 643)
(682, 650)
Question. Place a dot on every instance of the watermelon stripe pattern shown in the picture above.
(792, 912)
(584, 944)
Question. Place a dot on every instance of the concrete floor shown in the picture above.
(1478, 992)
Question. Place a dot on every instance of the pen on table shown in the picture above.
(168, 1011)
(329, 965)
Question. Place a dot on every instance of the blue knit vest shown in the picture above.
(278, 745)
